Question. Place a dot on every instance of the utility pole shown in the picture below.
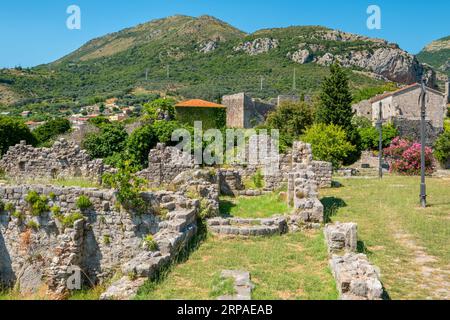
(294, 84)
(423, 187)
(380, 141)
(146, 74)
(168, 71)
(262, 80)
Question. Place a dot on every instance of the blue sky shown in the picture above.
(34, 32)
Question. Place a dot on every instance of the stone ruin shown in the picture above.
(39, 252)
(166, 163)
(356, 278)
(64, 159)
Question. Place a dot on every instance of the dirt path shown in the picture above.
(435, 280)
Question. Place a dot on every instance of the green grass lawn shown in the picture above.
(293, 266)
(253, 207)
(411, 245)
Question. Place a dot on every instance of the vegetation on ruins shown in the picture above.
(31, 224)
(150, 243)
(329, 143)
(38, 204)
(442, 147)
(68, 221)
(83, 203)
(13, 131)
(8, 207)
(160, 109)
(129, 187)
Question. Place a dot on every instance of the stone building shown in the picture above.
(243, 112)
(403, 109)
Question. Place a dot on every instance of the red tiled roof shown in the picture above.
(389, 94)
(197, 103)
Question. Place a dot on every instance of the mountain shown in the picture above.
(437, 55)
(205, 58)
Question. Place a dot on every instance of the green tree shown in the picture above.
(329, 143)
(110, 140)
(139, 144)
(291, 119)
(335, 105)
(160, 109)
(442, 147)
(51, 129)
(12, 131)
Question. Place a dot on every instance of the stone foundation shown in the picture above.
(248, 227)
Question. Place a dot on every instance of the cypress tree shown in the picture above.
(336, 99)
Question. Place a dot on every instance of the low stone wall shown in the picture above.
(64, 159)
(356, 278)
(38, 251)
(248, 227)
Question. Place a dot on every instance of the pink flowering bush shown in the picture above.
(403, 157)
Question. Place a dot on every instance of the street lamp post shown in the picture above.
(423, 187)
(380, 142)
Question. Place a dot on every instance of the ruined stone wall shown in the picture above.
(235, 110)
(410, 128)
(64, 159)
(39, 250)
(165, 163)
(244, 112)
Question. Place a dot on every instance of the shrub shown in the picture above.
(83, 203)
(107, 239)
(9, 207)
(258, 179)
(291, 119)
(128, 186)
(139, 144)
(160, 109)
(164, 129)
(370, 136)
(12, 132)
(18, 215)
(150, 243)
(403, 157)
(329, 143)
(442, 147)
(56, 211)
(52, 196)
(38, 204)
(69, 220)
(33, 225)
(51, 129)
(110, 140)
(2, 206)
